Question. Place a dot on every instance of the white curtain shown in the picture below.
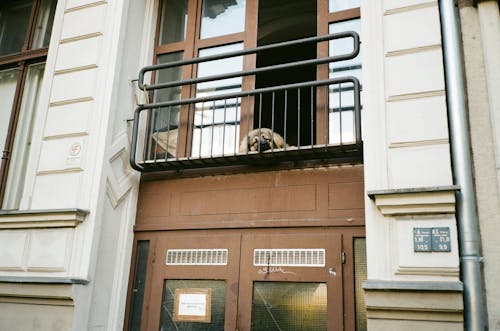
(8, 80)
(22, 140)
(44, 24)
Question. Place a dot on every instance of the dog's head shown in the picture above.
(261, 140)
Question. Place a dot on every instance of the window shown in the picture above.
(25, 28)
(308, 103)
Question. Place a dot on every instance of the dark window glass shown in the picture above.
(173, 21)
(25, 25)
(360, 275)
(14, 20)
(141, 262)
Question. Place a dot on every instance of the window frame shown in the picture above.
(193, 43)
(20, 61)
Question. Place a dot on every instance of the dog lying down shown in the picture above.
(262, 140)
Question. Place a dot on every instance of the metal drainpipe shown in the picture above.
(468, 225)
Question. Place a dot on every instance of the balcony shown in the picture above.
(215, 120)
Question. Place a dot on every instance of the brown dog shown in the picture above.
(261, 140)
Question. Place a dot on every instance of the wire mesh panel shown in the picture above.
(289, 306)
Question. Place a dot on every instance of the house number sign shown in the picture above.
(431, 239)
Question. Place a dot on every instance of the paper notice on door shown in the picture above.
(192, 305)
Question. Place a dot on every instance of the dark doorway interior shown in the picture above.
(283, 20)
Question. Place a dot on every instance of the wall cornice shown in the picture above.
(50, 218)
(415, 201)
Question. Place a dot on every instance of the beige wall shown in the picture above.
(35, 307)
(481, 39)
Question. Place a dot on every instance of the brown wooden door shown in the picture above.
(246, 280)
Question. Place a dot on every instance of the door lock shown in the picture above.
(332, 272)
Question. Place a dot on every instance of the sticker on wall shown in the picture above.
(74, 153)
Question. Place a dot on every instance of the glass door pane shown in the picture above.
(222, 17)
(216, 124)
(193, 305)
(165, 121)
(338, 5)
(173, 22)
(289, 306)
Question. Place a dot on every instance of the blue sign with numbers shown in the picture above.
(431, 239)
(441, 239)
(422, 240)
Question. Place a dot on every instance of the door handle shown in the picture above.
(332, 272)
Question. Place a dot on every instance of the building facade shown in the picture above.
(237, 165)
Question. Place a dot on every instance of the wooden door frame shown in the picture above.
(312, 238)
(157, 271)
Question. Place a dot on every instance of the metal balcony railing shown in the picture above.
(222, 124)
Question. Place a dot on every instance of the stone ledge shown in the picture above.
(415, 201)
(51, 218)
(426, 303)
(390, 285)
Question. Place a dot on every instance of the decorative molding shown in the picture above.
(419, 143)
(413, 50)
(415, 201)
(428, 271)
(75, 69)
(81, 37)
(29, 219)
(410, 8)
(59, 171)
(395, 285)
(66, 135)
(89, 5)
(419, 95)
(120, 175)
(70, 101)
(41, 280)
(421, 303)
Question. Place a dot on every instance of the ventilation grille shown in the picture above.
(197, 257)
(289, 257)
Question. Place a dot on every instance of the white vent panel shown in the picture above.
(216, 256)
(289, 257)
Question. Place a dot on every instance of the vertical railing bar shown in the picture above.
(260, 119)
(298, 118)
(357, 110)
(148, 135)
(224, 127)
(286, 112)
(236, 125)
(327, 114)
(340, 113)
(213, 129)
(312, 115)
(155, 143)
(201, 128)
(248, 119)
(189, 141)
(168, 130)
(272, 121)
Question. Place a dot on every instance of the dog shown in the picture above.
(261, 140)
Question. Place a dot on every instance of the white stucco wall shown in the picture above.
(406, 139)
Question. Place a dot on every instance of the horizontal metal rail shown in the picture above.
(305, 151)
(256, 50)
